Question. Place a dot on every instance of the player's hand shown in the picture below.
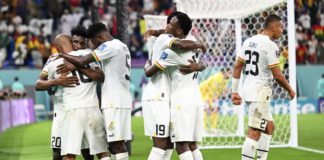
(292, 94)
(65, 67)
(192, 67)
(236, 99)
(66, 81)
(148, 34)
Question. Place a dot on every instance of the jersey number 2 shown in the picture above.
(252, 61)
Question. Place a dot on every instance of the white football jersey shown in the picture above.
(184, 88)
(259, 54)
(116, 62)
(158, 87)
(83, 95)
(57, 90)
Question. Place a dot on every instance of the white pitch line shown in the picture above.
(309, 149)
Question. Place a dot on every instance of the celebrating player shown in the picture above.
(79, 34)
(83, 116)
(116, 98)
(260, 56)
(157, 111)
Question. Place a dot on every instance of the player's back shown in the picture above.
(260, 54)
(82, 95)
(158, 85)
(50, 69)
(116, 67)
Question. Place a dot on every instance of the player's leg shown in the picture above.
(198, 134)
(85, 151)
(256, 123)
(156, 124)
(95, 133)
(186, 120)
(184, 151)
(57, 154)
(265, 139)
(195, 151)
(169, 149)
(86, 154)
(56, 133)
(118, 128)
(73, 127)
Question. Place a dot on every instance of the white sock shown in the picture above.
(186, 156)
(167, 155)
(249, 148)
(106, 158)
(263, 146)
(122, 156)
(113, 157)
(197, 154)
(156, 154)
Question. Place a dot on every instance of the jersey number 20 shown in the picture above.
(253, 59)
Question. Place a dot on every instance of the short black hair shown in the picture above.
(16, 79)
(173, 14)
(184, 22)
(96, 28)
(79, 30)
(270, 19)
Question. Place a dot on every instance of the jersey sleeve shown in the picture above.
(273, 56)
(168, 58)
(167, 40)
(104, 52)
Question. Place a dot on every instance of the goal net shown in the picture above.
(223, 26)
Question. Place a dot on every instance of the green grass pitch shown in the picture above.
(32, 142)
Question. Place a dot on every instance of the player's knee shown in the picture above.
(161, 143)
(69, 157)
(117, 147)
(57, 154)
(182, 147)
(270, 128)
(254, 133)
(193, 146)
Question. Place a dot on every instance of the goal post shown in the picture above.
(223, 26)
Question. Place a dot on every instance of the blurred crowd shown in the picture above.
(309, 18)
(28, 27)
(17, 90)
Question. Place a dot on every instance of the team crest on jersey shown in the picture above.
(102, 47)
(277, 54)
(164, 55)
(170, 35)
(111, 126)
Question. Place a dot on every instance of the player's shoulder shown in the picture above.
(190, 37)
(81, 52)
(165, 36)
(51, 59)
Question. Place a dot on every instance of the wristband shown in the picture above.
(235, 83)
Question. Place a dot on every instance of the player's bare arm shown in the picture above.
(192, 67)
(187, 45)
(150, 70)
(44, 84)
(152, 32)
(94, 74)
(78, 61)
(280, 78)
(236, 98)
